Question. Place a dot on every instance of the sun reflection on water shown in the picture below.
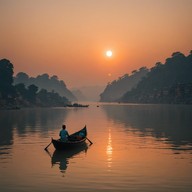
(109, 150)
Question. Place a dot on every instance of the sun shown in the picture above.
(109, 53)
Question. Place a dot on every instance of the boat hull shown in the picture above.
(74, 141)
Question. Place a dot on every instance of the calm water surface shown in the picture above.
(136, 148)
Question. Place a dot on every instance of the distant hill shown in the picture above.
(89, 93)
(170, 82)
(116, 89)
(45, 82)
(79, 95)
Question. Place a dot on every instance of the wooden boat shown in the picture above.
(75, 140)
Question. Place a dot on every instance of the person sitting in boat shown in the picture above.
(64, 134)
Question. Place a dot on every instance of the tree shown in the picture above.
(6, 79)
(32, 92)
(21, 77)
(43, 96)
(133, 72)
(54, 78)
(178, 54)
(21, 90)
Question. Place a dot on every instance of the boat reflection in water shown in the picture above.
(61, 158)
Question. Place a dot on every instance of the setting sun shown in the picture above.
(109, 53)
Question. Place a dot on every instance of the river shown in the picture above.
(135, 148)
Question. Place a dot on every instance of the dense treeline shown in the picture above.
(6, 81)
(45, 82)
(19, 95)
(30, 96)
(170, 82)
(118, 88)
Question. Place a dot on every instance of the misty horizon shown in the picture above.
(71, 38)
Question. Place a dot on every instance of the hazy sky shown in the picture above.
(69, 38)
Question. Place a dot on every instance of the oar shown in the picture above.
(47, 146)
(89, 141)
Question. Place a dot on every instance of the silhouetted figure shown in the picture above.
(64, 134)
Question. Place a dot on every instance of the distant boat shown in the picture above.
(75, 140)
(76, 105)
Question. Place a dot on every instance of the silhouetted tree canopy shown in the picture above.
(165, 82)
(117, 88)
(32, 92)
(30, 96)
(44, 81)
(25, 92)
(21, 90)
(21, 77)
(6, 79)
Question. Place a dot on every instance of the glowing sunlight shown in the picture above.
(109, 53)
(109, 150)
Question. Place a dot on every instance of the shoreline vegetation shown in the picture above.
(14, 107)
(20, 95)
(168, 83)
(18, 92)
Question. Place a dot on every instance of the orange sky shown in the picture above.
(68, 38)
